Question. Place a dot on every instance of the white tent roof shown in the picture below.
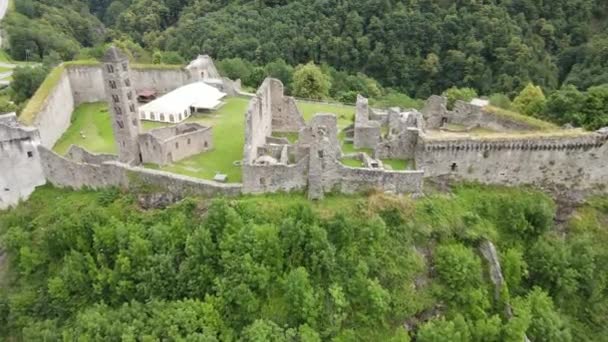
(198, 95)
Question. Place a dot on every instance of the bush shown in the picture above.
(463, 94)
(500, 101)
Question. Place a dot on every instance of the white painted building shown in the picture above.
(179, 104)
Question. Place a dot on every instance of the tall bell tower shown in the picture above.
(123, 104)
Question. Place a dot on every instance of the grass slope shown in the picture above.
(93, 121)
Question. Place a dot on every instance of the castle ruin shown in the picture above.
(468, 142)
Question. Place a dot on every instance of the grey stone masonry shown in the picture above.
(367, 132)
(122, 101)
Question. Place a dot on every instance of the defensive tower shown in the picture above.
(123, 105)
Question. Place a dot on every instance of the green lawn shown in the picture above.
(93, 121)
(228, 134)
(352, 162)
(397, 164)
(344, 113)
(228, 139)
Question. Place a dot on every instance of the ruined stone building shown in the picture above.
(440, 143)
(312, 163)
(20, 169)
(282, 151)
(166, 145)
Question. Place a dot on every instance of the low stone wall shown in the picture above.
(259, 179)
(63, 172)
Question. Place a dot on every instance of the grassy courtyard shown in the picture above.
(91, 129)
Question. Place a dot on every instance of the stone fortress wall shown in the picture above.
(577, 162)
(100, 173)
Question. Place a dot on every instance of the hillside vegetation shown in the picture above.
(94, 266)
(421, 47)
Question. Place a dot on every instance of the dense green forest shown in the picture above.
(95, 266)
(418, 46)
(385, 49)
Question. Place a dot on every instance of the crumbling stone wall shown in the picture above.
(435, 111)
(258, 126)
(367, 132)
(20, 170)
(167, 145)
(577, 162)
(80, 155)
(63, 172)
(259, 179)
(436, 114)
(470, 115)
(401, 146)
(285, 115)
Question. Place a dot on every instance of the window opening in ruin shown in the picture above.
(189, 141)
(263, 181)
(30, 154)
(135, 122)
(454, 167)
(110, 68)
(152, 116)
(7, 189)
(320, 153)
(179, 117)
(125, 66)
(115, 98)
(162, 117)
(176, 145)
(486, 154)
(112, 84)
(130, 96)
(127, 82)
(120, 124)
(141, 158)
(132, 108)
(171, 118)
(206, 144)
(444, 121)
(118, 110)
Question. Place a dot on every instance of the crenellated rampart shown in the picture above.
(573, 161)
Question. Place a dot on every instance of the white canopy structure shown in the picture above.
(179, 104)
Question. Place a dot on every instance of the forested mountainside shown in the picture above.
(419, 47)
(86, 265)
